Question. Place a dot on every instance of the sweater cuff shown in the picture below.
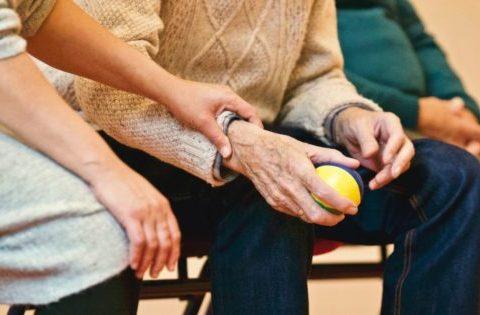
(11, 44)
(329, 123)
(220, 172)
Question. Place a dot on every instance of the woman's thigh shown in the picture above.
(55, 238)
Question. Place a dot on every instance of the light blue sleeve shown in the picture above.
(11, 43)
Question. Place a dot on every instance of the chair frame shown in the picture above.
(194, 290)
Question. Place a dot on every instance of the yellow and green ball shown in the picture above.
(346, 181)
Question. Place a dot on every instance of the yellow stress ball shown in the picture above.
(346, 181)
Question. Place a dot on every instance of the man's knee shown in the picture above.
(446, 177)
(253, 226)
(445, 164)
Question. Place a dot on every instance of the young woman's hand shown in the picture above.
(109, 60)
(198, 105)
(145, 214)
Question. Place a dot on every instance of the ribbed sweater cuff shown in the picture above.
(329, 123)
(11, 46)
(221, 173)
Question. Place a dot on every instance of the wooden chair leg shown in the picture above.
(17, 310)
(195, 302)
(383, 253)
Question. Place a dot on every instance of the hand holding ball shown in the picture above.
(346, 181)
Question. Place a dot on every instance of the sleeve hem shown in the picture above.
(11, 46)
(221, 173)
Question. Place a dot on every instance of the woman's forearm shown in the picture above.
(72, 41)
(32, 109)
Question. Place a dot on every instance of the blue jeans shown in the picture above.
(260, 258)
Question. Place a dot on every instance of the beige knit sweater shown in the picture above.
(282, 56)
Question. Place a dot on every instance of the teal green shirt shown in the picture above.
(392, 59)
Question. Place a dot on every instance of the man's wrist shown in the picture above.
(242, 135)
(340, 121)
(233, 131)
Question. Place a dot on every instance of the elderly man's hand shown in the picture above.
(377, 140)
(281, 169)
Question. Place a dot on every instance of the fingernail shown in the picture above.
(225, 152)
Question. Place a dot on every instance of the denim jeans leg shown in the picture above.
(260, 259)
(436, 269)
(432, 215)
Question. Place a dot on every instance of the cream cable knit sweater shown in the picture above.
(281, 56)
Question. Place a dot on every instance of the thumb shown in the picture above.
(215, 134)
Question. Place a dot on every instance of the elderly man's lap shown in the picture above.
(258, 250)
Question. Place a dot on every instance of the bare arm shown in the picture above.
(80, 45)
(32, 109)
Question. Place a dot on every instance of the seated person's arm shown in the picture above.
(31, 109)
(324, 103)
(439, 116)
(442, 81)
(281, 167)
(78, 44)
(35, 113)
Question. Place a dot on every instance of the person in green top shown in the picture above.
(391, 59)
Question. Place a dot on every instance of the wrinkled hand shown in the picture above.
(449, 121)
(281, 169)
(197, 105)
(377, 140)
(144, 213)
(458, 109)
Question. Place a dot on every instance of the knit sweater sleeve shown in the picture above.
(11, 43)
(134, 120)
(318, 87)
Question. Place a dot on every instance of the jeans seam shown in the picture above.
(414, 202)
(406, 270)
